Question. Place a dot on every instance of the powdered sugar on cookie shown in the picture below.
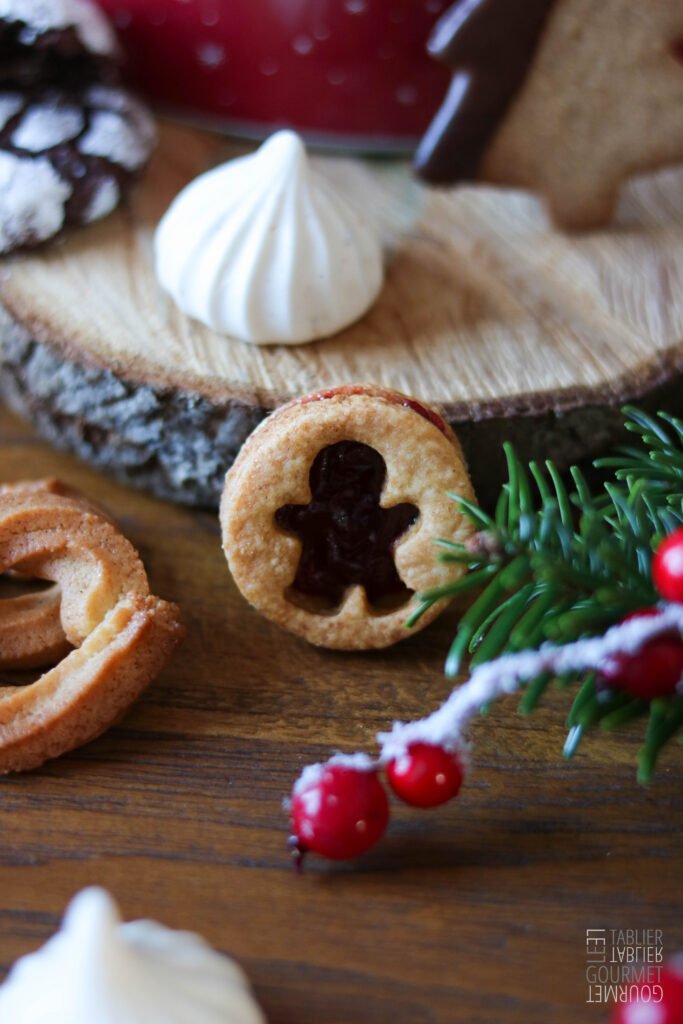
(41, 16)
(46, 125)
(10, 105)
(22, 215)
(117, 140)
(103, 201)
(71, 141)
(108, 98)
(66, 163)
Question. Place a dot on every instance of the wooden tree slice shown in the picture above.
(514, 329)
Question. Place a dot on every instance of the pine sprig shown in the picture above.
(557, 562)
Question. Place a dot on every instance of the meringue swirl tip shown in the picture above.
(263, 249)
(98, 970)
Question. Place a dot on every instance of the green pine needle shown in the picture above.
(557, 562)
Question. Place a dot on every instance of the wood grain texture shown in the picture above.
(510, 326)
(473, 913)
(485, 306)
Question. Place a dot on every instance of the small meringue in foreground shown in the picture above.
(264, 250)
(96, 970)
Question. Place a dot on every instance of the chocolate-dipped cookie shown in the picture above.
(66, 157)
(566, 98)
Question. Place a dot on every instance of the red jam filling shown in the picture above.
(347, 538)
(389, 396)
(427, 414)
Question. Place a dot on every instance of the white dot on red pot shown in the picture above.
(356, 6)
(336, 77)
(269, 66)
(210, 17)
(121, 17)
(212, 55)
(322, 32)
(406, 95)
(302, 44)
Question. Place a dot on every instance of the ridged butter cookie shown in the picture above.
(122, 634)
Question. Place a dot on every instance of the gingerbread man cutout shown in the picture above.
(347, 537)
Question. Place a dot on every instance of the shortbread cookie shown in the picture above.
(123, 634)
(566, 98)
(331, 510)
(66, 158)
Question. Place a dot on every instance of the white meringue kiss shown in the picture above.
(97, 970)
(264, 250)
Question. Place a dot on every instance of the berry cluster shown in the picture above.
(657, 668)
(340, 809)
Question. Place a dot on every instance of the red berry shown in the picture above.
(425, 775)
(653, 671)
(338, 810)
(667, 567)
(657, 1001)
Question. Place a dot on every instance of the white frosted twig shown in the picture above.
(505, 675)
(312, 774)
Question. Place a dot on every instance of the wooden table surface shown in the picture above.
(476, 912)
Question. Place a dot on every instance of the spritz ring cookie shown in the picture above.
(122, 634)
(31, 634)
(330, 512)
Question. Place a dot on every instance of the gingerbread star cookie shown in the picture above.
(331, 510)
(566, 98)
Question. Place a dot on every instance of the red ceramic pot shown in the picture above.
(350, 72)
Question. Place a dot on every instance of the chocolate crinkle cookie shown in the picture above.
(55, 40)
(72, 139)
(65, 159)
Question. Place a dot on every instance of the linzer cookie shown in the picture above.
(566, 98)
(331, 510)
